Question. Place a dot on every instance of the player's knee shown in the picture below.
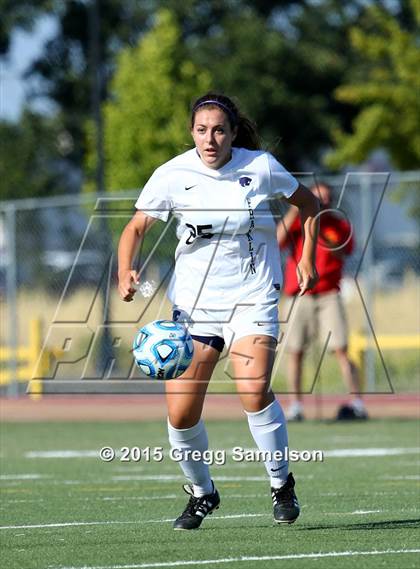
(296, 356)
(341, 353)
(184, 420)
(256, 401)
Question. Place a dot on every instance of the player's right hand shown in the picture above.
(307, 276)
(126, 281)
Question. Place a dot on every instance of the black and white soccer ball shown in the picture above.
(163, 349)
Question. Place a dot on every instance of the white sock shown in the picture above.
(196, 471)
(268, 427)
(358, 404)
(295, 408)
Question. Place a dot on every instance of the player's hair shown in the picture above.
(247, 136)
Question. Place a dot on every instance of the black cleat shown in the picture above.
(351, 413)
(285, 504)
(197, 509)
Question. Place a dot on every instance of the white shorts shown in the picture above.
(219, 327)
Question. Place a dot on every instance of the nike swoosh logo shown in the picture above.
(277, 469)
(189, 187)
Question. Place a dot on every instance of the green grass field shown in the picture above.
(61, 512)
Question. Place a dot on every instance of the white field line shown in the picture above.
(23, 476)
(362, 512)
(6, 501)
(62, 454)
(66, 524)
(332, 453)
(250, 559)
(176, 477)
(73, 524)
(123, 498)
(103, 499)
(367, 512)
(54, 482)
(405, 477)
(110, 522)
(158, 477)
(362, 452)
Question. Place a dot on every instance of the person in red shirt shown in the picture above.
(320, 312)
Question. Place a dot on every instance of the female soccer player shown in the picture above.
(225, 286)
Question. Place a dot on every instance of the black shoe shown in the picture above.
(197, 509)
(285, 504)
(350, 413)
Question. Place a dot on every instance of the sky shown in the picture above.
(25, 47)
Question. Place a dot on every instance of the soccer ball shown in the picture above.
(163, 349)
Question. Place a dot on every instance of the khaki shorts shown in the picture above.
(313, 317)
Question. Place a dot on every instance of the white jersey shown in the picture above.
(227, 252)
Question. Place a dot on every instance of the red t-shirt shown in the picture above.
(333, 232)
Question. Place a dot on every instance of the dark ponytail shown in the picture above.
(247, 136)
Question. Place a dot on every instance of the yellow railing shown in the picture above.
(358, 344)
(28, 358)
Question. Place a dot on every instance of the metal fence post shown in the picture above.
(97, 86)
(11, 296)
(366, 200)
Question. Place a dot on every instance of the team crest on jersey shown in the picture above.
(245, 181)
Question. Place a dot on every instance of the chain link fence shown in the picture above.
(58, 268)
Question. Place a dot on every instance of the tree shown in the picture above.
(302, 59)
(31, 161)
(18, 14)
(283, 60)
(64, 70)
(146, 117)
(385, 87)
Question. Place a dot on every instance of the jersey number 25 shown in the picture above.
(198, 231)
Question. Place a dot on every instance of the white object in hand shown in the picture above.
(147, 288)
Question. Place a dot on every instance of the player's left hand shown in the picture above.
(307, 276)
